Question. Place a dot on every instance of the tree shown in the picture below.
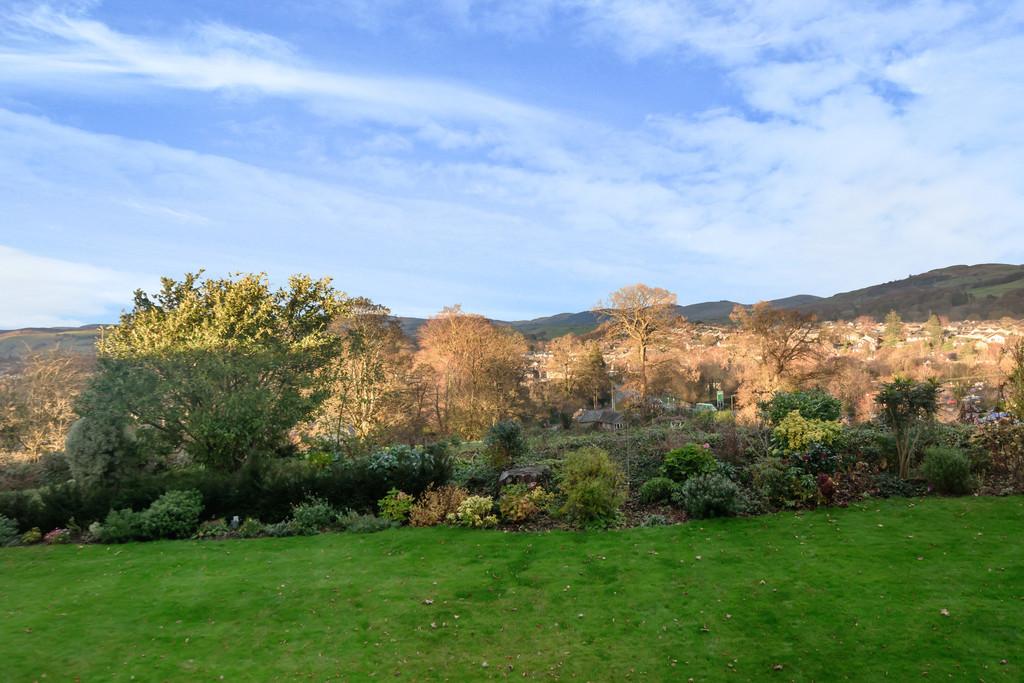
(37, 402)
(477, 369)
(593, 380)
(221, 368)
(642, 314)
(1015, 381)
(371, 385)
(935, 332)
(907, 406)
(893, 329)
(782, 336)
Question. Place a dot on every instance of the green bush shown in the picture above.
(99, 449)
(947, 470)
(8, 531)
(475, 512)
(888, 485)
(688, 461)
(215, 528)
(251, 528)
(505, 443)
(593, 487)
(396, 506)
(520, 503)
(313, 516)
(657, 491)
(815, 404)
(32, 536)
(173, 515)
(780, 486)
(655, 520)
(355, 523)
(120, 526)
(708, 495)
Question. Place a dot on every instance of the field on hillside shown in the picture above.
(895, 589)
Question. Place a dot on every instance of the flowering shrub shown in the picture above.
(520, 503)
(396, 506)
(708, 495)
(435, 505)
(57, 536)
(688, 461)
(475, 512)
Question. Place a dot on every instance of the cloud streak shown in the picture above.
(868, 141)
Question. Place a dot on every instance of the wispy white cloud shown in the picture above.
(870, 140)
(42, 291)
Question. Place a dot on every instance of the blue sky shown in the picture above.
(521, 158)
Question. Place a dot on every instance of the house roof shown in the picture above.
(607, 415)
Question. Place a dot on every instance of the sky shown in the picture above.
(521, 158)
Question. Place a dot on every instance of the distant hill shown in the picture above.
(16, 344)
(982, 292)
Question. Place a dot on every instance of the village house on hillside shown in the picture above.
(607, 419)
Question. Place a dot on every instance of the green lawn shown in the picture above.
(856, 594)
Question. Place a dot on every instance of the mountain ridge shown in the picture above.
(961, 292)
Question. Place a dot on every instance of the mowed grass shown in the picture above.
(851, 594)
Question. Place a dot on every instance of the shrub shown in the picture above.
(593, 487)
(99, 449)
(32, 536)
(797, 433)
(1004, 442)
(948, 470)
(657, 491)
(279, 529)
(475, 512)
(520, 503)
(313, 516)
(251, 528)
(780, 486)
(888, 485)
(8, 531)
(655, 520)
(435, 505)
(215, 528)
(355, 523)
(815, 404)
(173, 515)
(412, 469)
(708, 495)
(688, 461)
(120, 526)
(816, 459)
(396, 506)
(477, 475)
(505, 443)
(57, 537)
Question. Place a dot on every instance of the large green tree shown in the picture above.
(219, 368)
